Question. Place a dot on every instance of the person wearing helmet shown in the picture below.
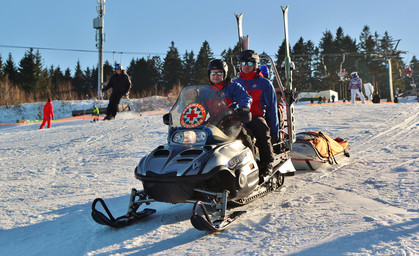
(234, 92)
(236, 96)
(265, 71)
(264, 124)
(355, 86)
(120, 84)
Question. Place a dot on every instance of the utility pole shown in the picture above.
(98, 24)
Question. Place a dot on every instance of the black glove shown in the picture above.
(244, 115)
(359, 89)
(103, 90)
(241, 109)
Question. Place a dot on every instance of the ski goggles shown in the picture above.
(117, 67)
(216, 73)
(247, 63)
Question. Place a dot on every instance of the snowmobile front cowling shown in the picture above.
(180, 170)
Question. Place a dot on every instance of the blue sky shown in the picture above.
(149, 26)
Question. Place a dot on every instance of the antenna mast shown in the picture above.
(98, 24)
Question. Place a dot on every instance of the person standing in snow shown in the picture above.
(120, 84)
(95, 114)
(48, 114)
(355, 86)
(264, 124)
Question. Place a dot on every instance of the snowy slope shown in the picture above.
(367, 205)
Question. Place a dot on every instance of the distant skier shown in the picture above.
(48, 114)
(95, 114)
(120, 84)
(355, 86)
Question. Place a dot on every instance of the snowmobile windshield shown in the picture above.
(204, 107)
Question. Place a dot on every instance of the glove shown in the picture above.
(243, 109)
(52, 118)
(359, 89)
(244, 115)
(103, 90)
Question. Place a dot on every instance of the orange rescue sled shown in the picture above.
(313, 150)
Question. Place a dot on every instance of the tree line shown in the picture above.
(316, 68)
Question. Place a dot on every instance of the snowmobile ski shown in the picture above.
(129, 218)
(204, 223)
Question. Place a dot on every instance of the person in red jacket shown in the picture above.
(265, 123)
(48, 114)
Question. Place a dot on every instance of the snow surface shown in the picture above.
(366, 205)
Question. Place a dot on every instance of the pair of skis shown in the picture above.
(287, 92)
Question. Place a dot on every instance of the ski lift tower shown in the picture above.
(389, 55)
(98, 24)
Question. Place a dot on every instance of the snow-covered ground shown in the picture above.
(367, 205)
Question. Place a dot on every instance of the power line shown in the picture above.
(78, 50)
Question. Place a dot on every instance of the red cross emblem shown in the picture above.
(193, 115)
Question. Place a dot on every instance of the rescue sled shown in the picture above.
(313, 150)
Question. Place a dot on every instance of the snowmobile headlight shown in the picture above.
(189, 137)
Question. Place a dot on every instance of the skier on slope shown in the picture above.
(355, 86)
(264, 124)
(120, 84)
(48, 114)
(95, 114)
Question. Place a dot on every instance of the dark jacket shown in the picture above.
(120, 84)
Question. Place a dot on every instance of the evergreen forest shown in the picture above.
(316, 68)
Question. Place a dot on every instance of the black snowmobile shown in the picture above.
(202, 163)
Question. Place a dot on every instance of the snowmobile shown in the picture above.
(203, 163)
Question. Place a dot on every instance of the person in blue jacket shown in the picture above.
(265, 123)
(234, 92)
(236, 96)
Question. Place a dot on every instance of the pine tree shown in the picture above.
(302, 53)
(27, 75)
(230, 56)
(172, 68)
(368, 44)
(188, 66)
(144, 76)
(78, 81)
(414, 65)
(205, 55)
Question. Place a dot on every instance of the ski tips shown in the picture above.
(238, 16)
